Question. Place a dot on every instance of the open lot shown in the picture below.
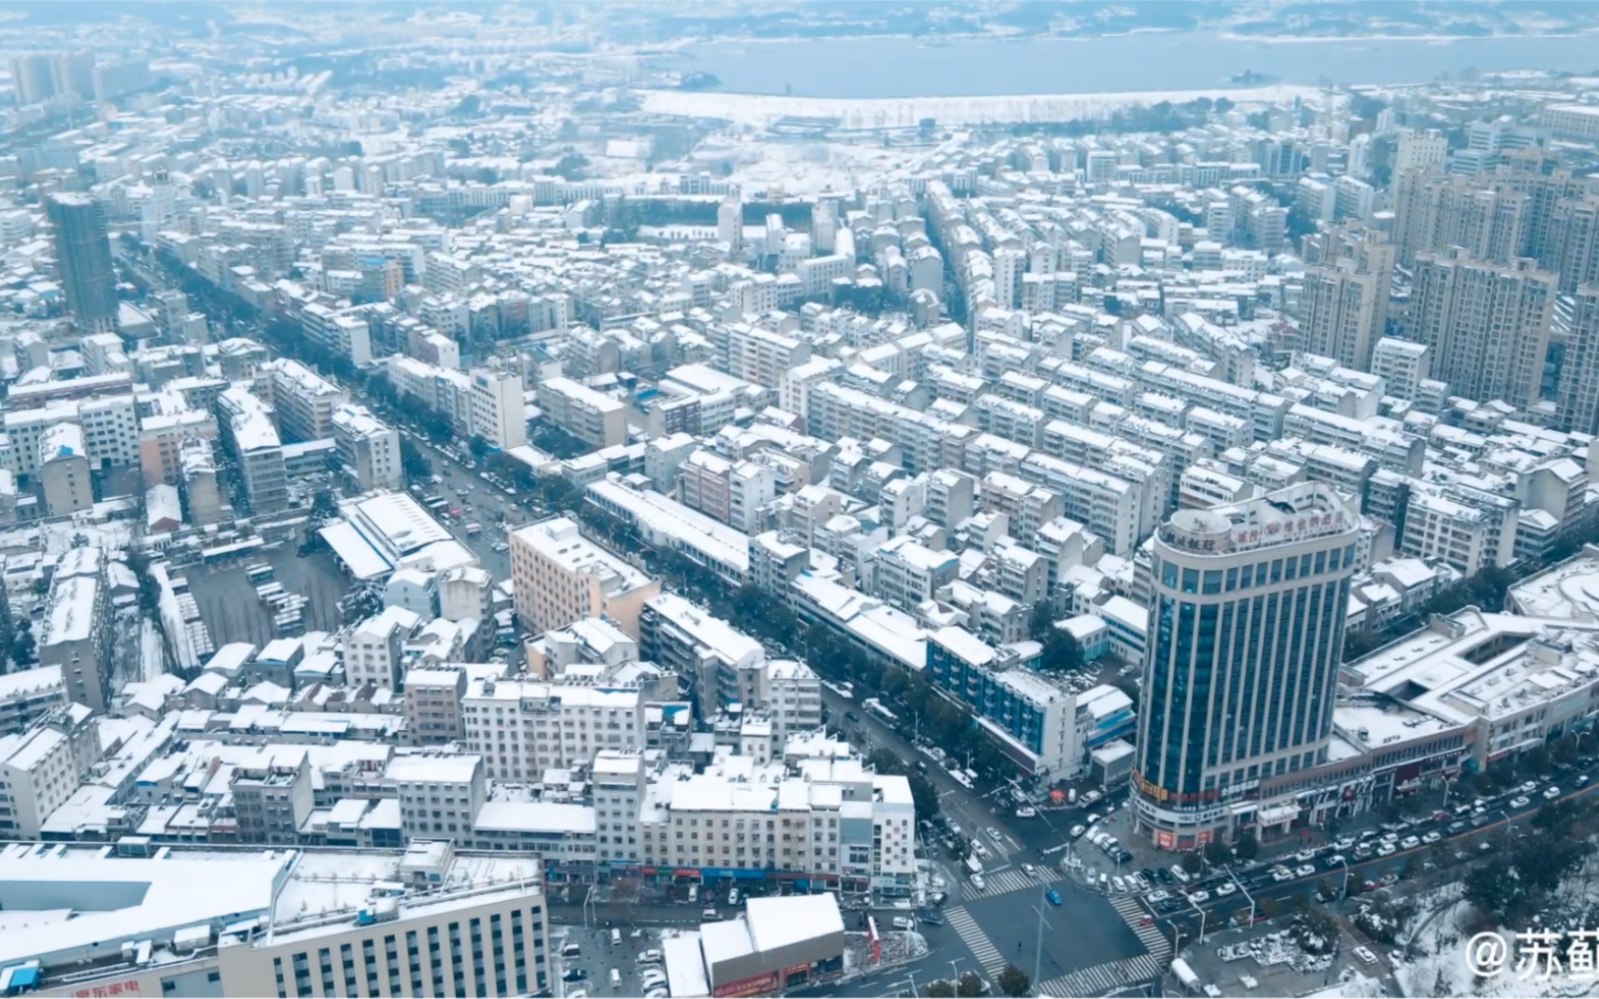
(233, 612)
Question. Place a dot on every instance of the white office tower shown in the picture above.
(1579, 373)
(824, 227)
(1246, 636)
(1487, 324)
(730, 222)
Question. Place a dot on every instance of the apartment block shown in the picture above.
(560, 577)
(592, 417)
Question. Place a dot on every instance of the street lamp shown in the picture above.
(1237, 881)
(1199, 909)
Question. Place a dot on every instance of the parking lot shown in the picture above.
(586, 955)
(233, 612)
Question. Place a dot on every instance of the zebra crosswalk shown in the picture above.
(1013, 880)
(1101, 979)
(1134, 916)
(975, 939)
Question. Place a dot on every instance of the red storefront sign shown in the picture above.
(748, 986)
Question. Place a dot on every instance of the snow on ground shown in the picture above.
(897, 112)
(152, 654)
(1351, 985)
(1439, 941)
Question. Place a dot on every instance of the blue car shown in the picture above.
(1053, 896)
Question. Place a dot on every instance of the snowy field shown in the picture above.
(894, 112)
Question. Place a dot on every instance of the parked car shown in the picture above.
(651, 956)
(1432, 837)
(904, 923)
(1552, 793)
(1077, 831)
(1409, 843)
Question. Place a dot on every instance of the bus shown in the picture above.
(875, 707)
(435, 503)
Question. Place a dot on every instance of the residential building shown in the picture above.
(499, 412)
(324, 938)
(369, 449)
(1487, 325)
(521, 728)
(592, 417)
(560, 577)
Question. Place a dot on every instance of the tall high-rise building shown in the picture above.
(1247, 633)
(33, 78)
(1579, 373)
(83, 259)
(1433, 211)
(1487, 323)
(1419, 148)
(1574, 242)
(1343, 309)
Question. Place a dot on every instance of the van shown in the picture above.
(571, 950)
(616, 976)
(616, 938)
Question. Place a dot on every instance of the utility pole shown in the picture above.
(1038, 945)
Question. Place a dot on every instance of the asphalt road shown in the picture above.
(1083, 932)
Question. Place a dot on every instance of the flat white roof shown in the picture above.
(685, 965)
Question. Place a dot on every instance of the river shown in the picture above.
(958, 67)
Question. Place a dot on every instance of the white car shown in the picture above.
(1117, 883)
(1077, 831)
(1282, 874)
(1366, 955)
(1304, 855)
(732, 896)
(1409, 843)
(1226, 889)
(1159, 895)
(1520, 801)
(993, 834)
(1385, 850)
(1432, 837)
(977, 881)
(651, 956)
(1199, 896)
(1027, 869)
(1529, 786)
(904, 923)
(1305, 870)
(660, 993)
(1552, 793)
(652, 979)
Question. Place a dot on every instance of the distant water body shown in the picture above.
(971, 67)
